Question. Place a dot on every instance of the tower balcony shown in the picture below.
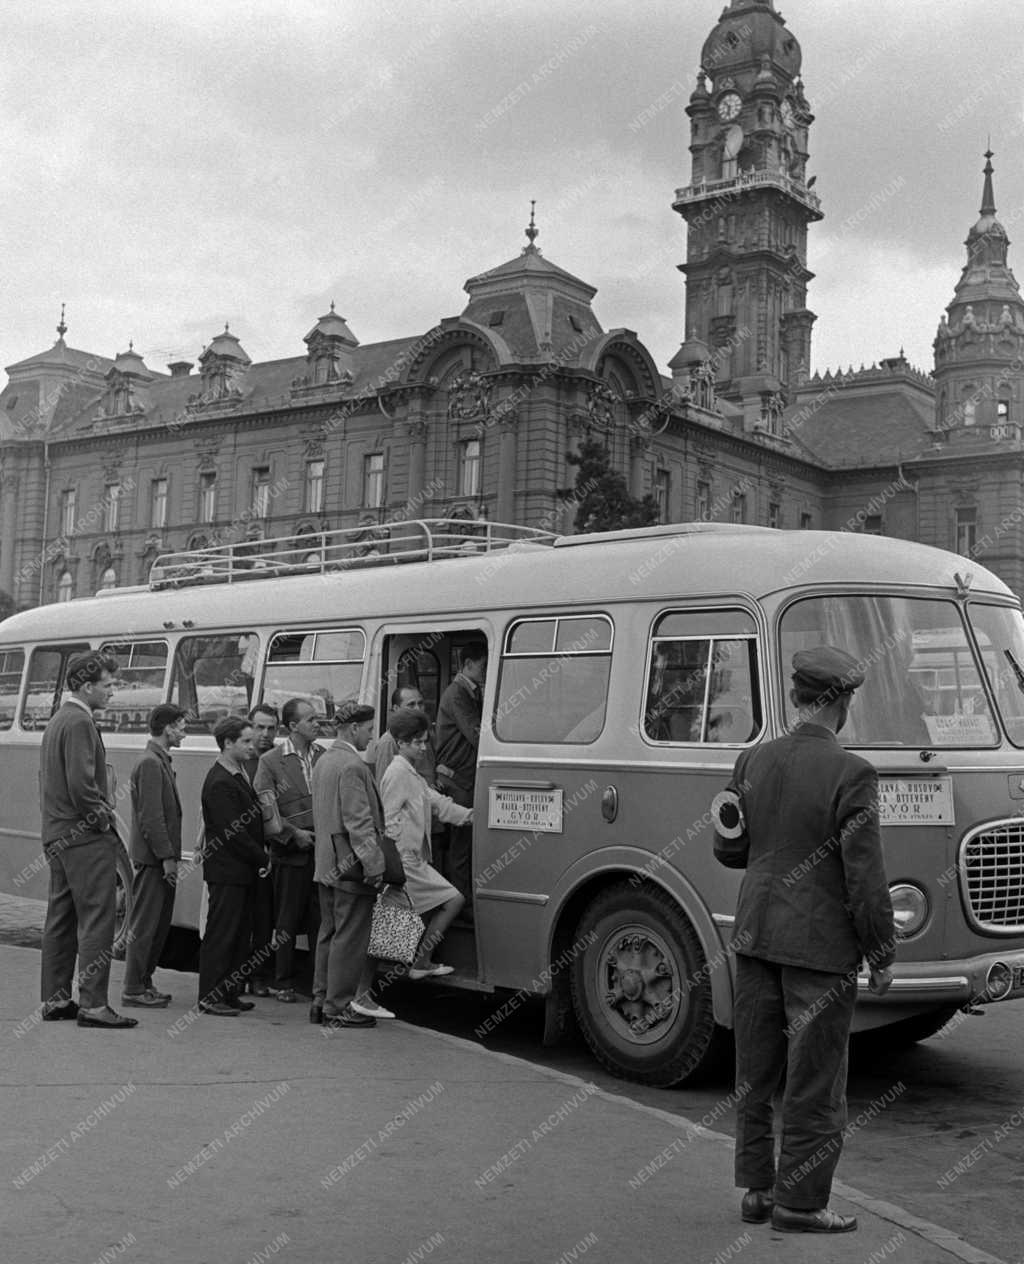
(726, 190)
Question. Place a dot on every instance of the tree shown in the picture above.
(601, 496)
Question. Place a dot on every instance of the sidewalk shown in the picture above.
(262, 1138)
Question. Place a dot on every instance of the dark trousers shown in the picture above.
(456, 856)
(152, 905)
(224, 958)
(80, 922)
(791, 1025)
(296, 911)
(262, 929)
(341, 961)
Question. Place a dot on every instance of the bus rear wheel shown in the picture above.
(123, 896)
(640, 987)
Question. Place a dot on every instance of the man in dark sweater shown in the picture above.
(155, 850)
(283, 781)
(459, 715)
(80, 844)
(233, 854)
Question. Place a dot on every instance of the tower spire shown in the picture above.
(61, 328)
(532, 231)
(988, 201)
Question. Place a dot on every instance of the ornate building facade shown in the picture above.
(107, 463)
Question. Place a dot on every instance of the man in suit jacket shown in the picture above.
(80, 844)
(459, 715)
(233, 854)
(349, 822)
(383, 749)
(814, 903)
(265, 723)
(284, 783)
(155, 849)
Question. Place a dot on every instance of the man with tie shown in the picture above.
(155, 850)
(80, 844)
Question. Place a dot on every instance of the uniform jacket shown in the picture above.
(233, 852)
(73, 794)
(458, 732)
(815, 892)
(287, 803)
(349, 819)
(156, 809)
(409, 807)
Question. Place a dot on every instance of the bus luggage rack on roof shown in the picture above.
(349, 548)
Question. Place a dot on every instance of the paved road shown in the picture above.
(955, 1099)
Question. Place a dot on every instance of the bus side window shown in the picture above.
(46, 670)
(12, 664)
(553, 685)
(142, 666)
(324, 668)
(702, 685)
(213, 677)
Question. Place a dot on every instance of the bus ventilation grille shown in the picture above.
(992, 867)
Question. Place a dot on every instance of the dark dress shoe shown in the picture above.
(789, 1220)
(348, 1018)
(259, 989)
(147, 1000)
(316, 1013)
(55, 1013)
(756, 1206)
(219, 1010)
(237, 1003)
(106, 1018)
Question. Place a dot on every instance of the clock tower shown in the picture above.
(747, 209)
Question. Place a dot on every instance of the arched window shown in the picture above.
(1002, 411)
(65, 586)
(108, 579)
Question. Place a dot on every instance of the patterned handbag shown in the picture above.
(396, 930)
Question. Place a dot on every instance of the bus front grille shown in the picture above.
(992, 875)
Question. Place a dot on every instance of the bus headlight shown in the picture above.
(909, 908)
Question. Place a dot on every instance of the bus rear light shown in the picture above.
(998, 982)
(909, 908)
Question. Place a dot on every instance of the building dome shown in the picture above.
(748, 31)
(692, 352)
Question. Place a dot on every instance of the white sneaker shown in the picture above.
(370, 1009)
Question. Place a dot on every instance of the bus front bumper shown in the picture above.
(995, 976)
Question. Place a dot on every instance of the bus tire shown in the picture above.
(123, 890)
(641, 1018)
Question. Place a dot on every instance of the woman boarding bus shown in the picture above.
(626, 672)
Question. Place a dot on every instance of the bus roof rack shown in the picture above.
(348, 548)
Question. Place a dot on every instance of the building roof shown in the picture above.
(864, 419)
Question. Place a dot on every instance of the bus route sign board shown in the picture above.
(519, 808)
(915, 801)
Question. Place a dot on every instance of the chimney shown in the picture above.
(180, 368)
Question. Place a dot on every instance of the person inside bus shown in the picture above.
(80, 844)
(409, 807)
(459, 715)
(155, 849)
(233, 855)
(284, 783)
(383, 749)
(265, 723)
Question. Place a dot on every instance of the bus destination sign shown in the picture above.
(521, 808)
(915, 801)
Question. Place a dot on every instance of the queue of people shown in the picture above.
(297, 839)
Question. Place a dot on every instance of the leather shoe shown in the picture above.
(790, 1220)
(286, 994)
(105, 1018)
(55, 1013)
(316, 1012)
(259, 989)
(348, 1018)
(147, 1000)
(219, 1010)
(756, 1206)
(236, 1003)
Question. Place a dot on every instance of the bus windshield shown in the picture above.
(923, 686)
(1000, 634)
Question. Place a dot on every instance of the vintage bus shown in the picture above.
(626, 672)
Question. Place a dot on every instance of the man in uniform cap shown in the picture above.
(814, 903)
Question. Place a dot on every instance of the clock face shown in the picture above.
(729, 106)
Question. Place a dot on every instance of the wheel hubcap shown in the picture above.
(639, 984)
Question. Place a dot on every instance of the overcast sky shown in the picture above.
(170, 166)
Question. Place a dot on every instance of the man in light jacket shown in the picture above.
(349, 823)
(155, 849)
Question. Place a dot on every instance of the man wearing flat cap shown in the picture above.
(348, 823)
(813, 905)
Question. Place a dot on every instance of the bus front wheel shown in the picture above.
(640, 987)
(123, 895)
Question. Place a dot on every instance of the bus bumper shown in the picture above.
(981, 980)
